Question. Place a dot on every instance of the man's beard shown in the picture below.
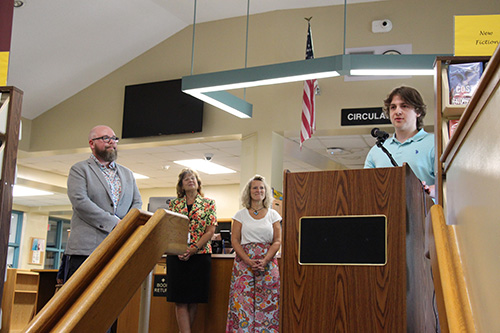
(107, 155)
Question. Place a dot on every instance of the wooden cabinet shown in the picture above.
(211, 317)
(446, 114)
(19, 299)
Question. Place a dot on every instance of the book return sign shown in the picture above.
(363, 116)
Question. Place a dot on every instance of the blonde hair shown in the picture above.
(180, 191)
(246, 199)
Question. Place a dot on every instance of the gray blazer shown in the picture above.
(93, 212)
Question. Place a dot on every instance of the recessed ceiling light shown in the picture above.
(205, 166)
(139, 176)
(334, 150)
(23, 191)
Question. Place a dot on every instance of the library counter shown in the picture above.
(211, 317)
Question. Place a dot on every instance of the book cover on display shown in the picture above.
(464, 79)
(452, 126)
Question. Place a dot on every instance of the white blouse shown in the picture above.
(256, 231)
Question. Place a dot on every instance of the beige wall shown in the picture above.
(34, 226)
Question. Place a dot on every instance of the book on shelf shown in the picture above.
(447, 131)
(445, 135)
(463, 80)
(452, 126)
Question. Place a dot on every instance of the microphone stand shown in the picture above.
(380, 144)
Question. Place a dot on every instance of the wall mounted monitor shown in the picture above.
(160, 108)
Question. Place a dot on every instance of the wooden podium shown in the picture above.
(391, 297)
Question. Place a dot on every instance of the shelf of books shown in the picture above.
(456, 79)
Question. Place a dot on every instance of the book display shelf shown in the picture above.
(19, 299)
(447, 114)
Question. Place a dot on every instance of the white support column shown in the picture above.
(145, 304)
(262, 153)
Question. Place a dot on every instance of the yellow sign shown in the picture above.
(476, 35)
(4, 67)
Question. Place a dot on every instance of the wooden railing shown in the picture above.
(468, 296)
(99, 290)
(454, 307)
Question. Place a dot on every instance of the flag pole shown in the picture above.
(308, 119)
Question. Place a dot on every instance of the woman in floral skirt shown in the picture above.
(255, 280)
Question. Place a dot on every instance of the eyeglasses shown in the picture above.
(107, 139)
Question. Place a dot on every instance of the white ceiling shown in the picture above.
(60, 47)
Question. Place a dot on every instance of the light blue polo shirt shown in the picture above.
(417, 151)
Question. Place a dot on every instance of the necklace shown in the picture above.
(256, 211)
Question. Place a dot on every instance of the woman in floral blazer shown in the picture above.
(188, 274)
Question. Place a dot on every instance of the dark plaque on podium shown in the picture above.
(343, 240)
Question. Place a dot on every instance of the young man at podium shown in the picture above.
(410, 143)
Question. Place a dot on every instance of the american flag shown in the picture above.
(308, 118)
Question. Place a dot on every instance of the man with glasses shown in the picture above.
(101, 192)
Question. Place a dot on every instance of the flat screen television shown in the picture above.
(160, 108)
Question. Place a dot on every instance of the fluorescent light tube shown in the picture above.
(391, 72)
(264, 82)
(226, 102)
(139, 176)
(23, 191)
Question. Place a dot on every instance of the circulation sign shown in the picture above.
(364, 116)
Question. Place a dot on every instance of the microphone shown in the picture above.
(381, 137)
(379, 134)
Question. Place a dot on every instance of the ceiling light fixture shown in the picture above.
(211, 87)
(263, 75)
(226, 102)
(334, 150)
(139, 176)
(392, 64)
(205, 166)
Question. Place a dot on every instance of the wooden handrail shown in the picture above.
(99, 290)
(454, 307)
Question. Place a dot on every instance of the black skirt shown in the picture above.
(188, 281)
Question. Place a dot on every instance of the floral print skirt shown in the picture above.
(253, 296)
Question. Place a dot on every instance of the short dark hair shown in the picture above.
(411, 96)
